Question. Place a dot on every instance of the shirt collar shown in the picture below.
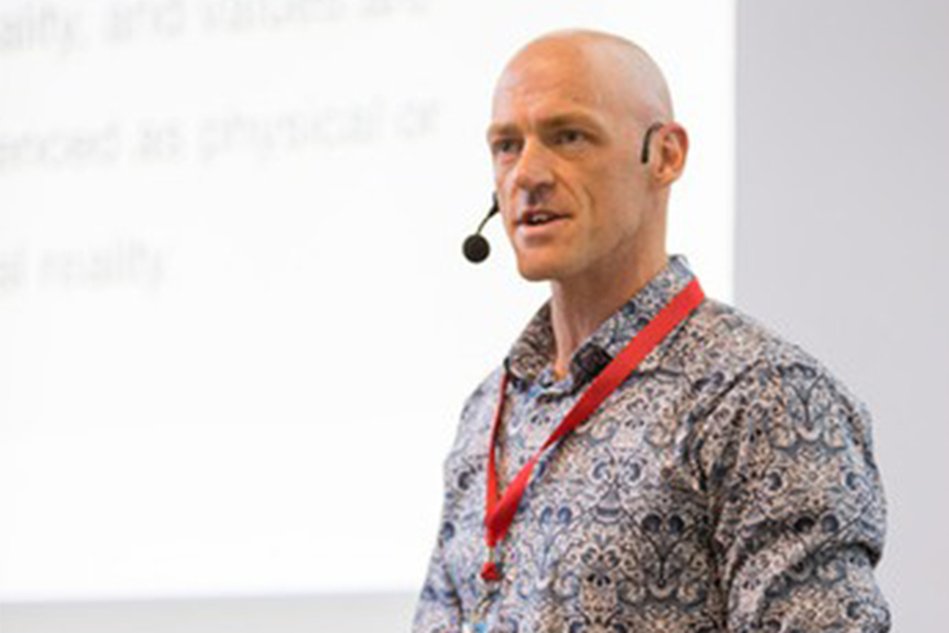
(531, 356)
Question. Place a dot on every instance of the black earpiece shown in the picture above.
(644, 155)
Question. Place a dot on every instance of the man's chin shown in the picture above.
(537, 270)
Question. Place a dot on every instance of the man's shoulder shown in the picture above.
(477, 410)
(486, 391)
(737, 342)
(729, 334)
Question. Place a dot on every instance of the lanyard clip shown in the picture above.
(490, 571)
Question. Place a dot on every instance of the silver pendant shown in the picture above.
(479, 617)
(475, 627)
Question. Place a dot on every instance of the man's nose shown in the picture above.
(532, 172)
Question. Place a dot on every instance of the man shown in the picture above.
(725, 483)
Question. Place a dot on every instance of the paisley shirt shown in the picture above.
(728, 484)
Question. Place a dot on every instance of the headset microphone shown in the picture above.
(476, 247)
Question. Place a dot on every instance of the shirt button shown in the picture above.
(546, 379)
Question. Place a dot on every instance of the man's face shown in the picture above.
(564, 140)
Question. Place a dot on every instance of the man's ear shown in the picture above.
(673, 148)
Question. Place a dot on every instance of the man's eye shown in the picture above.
(504, 146)
(568, 137)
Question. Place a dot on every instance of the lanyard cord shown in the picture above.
(500, 510)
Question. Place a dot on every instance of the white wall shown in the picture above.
(843, 217)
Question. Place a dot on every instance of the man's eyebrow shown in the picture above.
(571, 118)
(554, 121)
(500, 129)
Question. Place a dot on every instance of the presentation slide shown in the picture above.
(236, 326)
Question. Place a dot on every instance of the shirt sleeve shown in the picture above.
(797, 504)
(438, 609)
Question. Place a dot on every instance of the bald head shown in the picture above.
(614, 72)
(584, 149)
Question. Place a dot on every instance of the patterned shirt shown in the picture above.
(728, 484)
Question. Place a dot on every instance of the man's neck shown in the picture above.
(580, 305)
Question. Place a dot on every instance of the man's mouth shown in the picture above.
(536, 218)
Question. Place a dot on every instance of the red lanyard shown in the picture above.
(500, 512)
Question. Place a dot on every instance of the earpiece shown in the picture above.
(644, 155)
